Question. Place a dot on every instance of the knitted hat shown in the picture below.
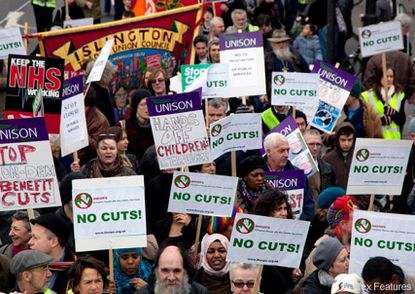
(411, 127)
(339, 210)
(328, 196)
(326, 253)
(347, 283)
(136, 98)
(65, 187)
(248, 164)
(219, 224)
(356, 90)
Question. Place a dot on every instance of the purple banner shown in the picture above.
(286, 180)
(172, 104)
(73, 86)
(241, 40)
(334, 75)
(23, 130)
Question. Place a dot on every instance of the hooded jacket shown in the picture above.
(341, 163)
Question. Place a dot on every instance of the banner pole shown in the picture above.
(258, 279)
(371, 203)
(233, 160)
(67, 16)
(111, 264)
(26, 40)
(384, 69)
(199, 227)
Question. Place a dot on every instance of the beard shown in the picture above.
(284, 54)
(162, 287)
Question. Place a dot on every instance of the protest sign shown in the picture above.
(380, 38)
(379, 234)
(27, 75)
(166, 36)
(212, 78)
(99, 65)
(202, 194)
(27, 172)
(334, 88)
(236, 132)
(299, 154)
(245, 55)
(146, 7)
(267, 240)
(179, 130)
(378, 166)
(109, 213)
(292, 182)
(11, 42)
(73, 128)
(75, 23)
(293, 88)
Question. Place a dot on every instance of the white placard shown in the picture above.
(11, 42)
(236, 132)
(292, 88)
(382, 234)
(109, 213)
(99, 65)
(202, 194)
(378, 166)
(75, 23)
(267, 240)
(380, 38)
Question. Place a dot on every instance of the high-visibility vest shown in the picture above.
(252, 28)
(269, 118)
(392, 131)
(45, 3)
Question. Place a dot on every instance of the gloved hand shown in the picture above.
(389, 111)
(386, 120)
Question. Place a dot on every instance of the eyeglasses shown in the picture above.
(157, 81)
(241, 284)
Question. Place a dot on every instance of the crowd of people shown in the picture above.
(39, 255)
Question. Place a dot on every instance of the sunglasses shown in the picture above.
(157, 81)
(241, 284)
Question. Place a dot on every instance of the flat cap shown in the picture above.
(28, 259)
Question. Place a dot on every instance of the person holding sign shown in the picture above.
(331, 259)
(214, 273)
(275, 204)
(131, 272)
(390, 105)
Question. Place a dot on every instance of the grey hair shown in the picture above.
(239, 265)
(404, 19)
(238, 11)
(311, 132)
(217, 103)
(107, 74)
(21, 215)
(215, 21)
(273, 139)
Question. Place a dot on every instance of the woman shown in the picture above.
(107, 163)
(214, 273)
(389, 106)
(121, 109)
(159, 83)
(206, 168)
(128, 159)
(138, 127)
(275, 204)
(251, 182)
(331, 259)
(131, 272)
(87, 275)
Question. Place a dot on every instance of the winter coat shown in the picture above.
(309, 48)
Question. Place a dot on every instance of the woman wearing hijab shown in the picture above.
(131, 272)
(214, 272)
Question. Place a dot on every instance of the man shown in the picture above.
(282, 58)
(273, 116)
(382, 276)
(243, 277)
(341, 156)
(325, 177)
(213, 51)
(216, 110)
(49, 235)
(19, 233)
(32, 272)
(172, 271)
(240, 23)
(277, 150)
(200, 43)
(362, 115)
(216, 28)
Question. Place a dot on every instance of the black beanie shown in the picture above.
(248, 164)
(65, 187)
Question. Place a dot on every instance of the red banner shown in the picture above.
(144, 7)
(168, 34)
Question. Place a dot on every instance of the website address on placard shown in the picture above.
(262, 260)
(110, 232)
